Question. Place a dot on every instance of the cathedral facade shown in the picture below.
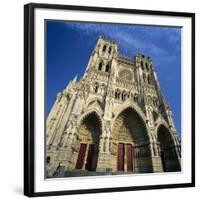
(114, 119)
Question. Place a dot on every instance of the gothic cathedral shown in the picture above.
(113, 120)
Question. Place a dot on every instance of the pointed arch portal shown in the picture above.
(89, 133)
(130, 149)
(168, 152)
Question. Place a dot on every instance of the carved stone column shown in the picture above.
(107, 143)
(155, 156)
(101, 144)
(103, 163)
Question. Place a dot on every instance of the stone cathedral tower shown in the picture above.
(115, 119)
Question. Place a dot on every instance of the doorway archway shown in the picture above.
(168, 154)
(89, 133)
(130, 148)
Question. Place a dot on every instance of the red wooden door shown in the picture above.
(90, 157)
(81, 156)
(129, 155)
(120, 160)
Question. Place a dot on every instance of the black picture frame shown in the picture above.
(29, 94)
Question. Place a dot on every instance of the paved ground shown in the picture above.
(77, 173)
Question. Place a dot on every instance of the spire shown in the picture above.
(69, 86)
(71, 83)
(75, 79)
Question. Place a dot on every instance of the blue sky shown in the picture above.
(69, 45)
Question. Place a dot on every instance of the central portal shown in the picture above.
(130, 149)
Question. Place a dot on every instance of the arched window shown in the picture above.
(142, 66)
(104, 48)
(135, 98)
(96, 88)
(154, 101)
(48, 159)
(109, 51)
(117, 94)
(149, 80)
(122, 97)
(147, 66)
(100, 66)
(107, 68)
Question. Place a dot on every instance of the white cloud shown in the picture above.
(129, 39)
